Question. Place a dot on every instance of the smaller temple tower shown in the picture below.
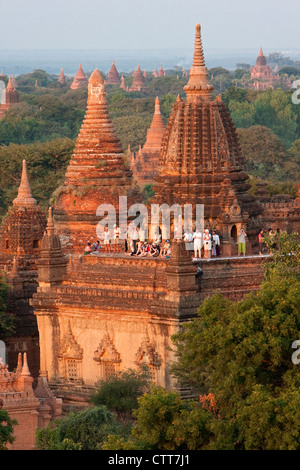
(20, 238)
(161, 72)
(61, 78)
(97, 173)
(145, 163)
(80, 80)
(262, 75)
(113, 76)
(138, 83)
(11, 98)
(24, 225)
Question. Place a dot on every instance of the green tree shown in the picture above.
(82, 430)
(6, 429)
(165, 422)
(271, 160)
(120, 392)
(241, 353)
(46, 164)
(7, 321)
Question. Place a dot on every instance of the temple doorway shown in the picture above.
(233, 233)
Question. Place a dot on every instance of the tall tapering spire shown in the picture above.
(198, 50)
(80, 79)
(50, 223)
(113, 76)
(61, 77)
(199, 87)
(9, 85)
(24, 197)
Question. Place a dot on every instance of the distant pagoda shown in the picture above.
(138, 83)
(113, 76)
(80, 80)
(61, 78)
(262, 75)
(11, 98)
(161, 72)
(144, 164)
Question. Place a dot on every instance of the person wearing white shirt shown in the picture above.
(197, 237)
(106, 239)
(135, 237)
(117, 237)
(207, 244)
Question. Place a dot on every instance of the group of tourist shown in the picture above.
(203, 244)
(137, 245)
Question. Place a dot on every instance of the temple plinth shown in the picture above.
(97, 172)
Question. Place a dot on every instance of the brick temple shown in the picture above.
(201, 159)
(97, 172)
(263, 76)
(80, 79)
(113, 76)
(87, 316)
(62, 78)
(11, 98)
(138, 83)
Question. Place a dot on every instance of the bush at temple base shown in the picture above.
(120, 393)
(6, 429)
(84, 430)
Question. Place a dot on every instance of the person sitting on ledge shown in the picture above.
(154, 249)
(96, 248)
(140, 247)
(106, 241)
(88, 249)
(166, 251)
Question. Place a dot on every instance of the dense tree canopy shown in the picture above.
(7, 322)
(43, 127)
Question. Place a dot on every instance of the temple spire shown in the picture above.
(199, 87)
(50, 223)
(24, 197)
(198, 49)
(9, 85)
(157, 107)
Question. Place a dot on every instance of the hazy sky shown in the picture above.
(152, 24)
